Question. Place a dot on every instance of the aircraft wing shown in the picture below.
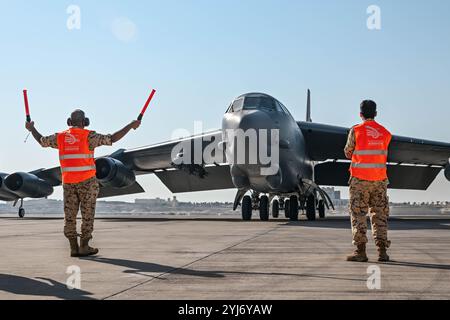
(214, 174)
(157, 159)
(413, 163)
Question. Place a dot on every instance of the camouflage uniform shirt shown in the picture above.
(95, 140)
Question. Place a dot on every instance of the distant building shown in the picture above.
(174, 202)
(334, 194)
(151, 202)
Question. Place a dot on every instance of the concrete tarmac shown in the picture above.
(223, 258)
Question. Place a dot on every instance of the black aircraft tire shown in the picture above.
(293, 208)
(264, 208)
(321, 209)
(286, 208)
(247, 208)
(311, 208)
(21, 213)
(275, 208)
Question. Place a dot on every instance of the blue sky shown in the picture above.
(199, 55)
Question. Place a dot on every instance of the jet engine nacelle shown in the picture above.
(113, 173)
(2, 177)
(27, 185)
(447, 172)
(2, 182)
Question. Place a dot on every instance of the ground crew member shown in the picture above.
(367, 147)
(76, 153)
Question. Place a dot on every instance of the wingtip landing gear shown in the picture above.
(21, 210)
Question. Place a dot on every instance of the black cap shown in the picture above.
(368, 109)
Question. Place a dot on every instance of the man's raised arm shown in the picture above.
(36, 135)
(123, 132)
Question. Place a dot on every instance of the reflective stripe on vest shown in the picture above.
(369, 165)
(370, 152)
(78, 169)
(76, 156)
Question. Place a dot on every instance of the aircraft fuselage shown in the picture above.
(256, 112)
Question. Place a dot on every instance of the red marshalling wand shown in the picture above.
(27, 108)
(141, 115)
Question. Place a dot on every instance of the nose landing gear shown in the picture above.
(254, 202)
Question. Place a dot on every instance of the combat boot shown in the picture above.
(74, 248)
(359, 255)
(85, 249)
(382, 254)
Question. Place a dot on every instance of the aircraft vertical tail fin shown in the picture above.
(308, 107)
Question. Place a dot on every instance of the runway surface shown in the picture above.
(221, 258)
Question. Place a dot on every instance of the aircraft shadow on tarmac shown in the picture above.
(394, 224)
(42, 287)
(148, 267)
(169, 219)
(418, 265)
(140, 267)
(333, 223)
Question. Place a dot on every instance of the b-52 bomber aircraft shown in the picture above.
(309, 155)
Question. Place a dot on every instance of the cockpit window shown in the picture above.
(282, 107)
(236, 105)
(265, 103)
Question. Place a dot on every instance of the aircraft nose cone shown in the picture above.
(255, 119)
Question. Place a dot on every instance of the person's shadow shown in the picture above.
(42, 287)
(147, 267)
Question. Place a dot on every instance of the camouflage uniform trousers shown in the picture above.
(78, 196)
(369, 197)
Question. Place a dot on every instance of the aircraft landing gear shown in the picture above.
(21, 210)
(247, 208)
(287, 205)
(293, 208)
(255, 202)
(275, 208)
(264, 208)
(321, 208)
(311, 208)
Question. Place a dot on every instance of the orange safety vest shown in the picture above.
(77, 161)
(371, 151)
